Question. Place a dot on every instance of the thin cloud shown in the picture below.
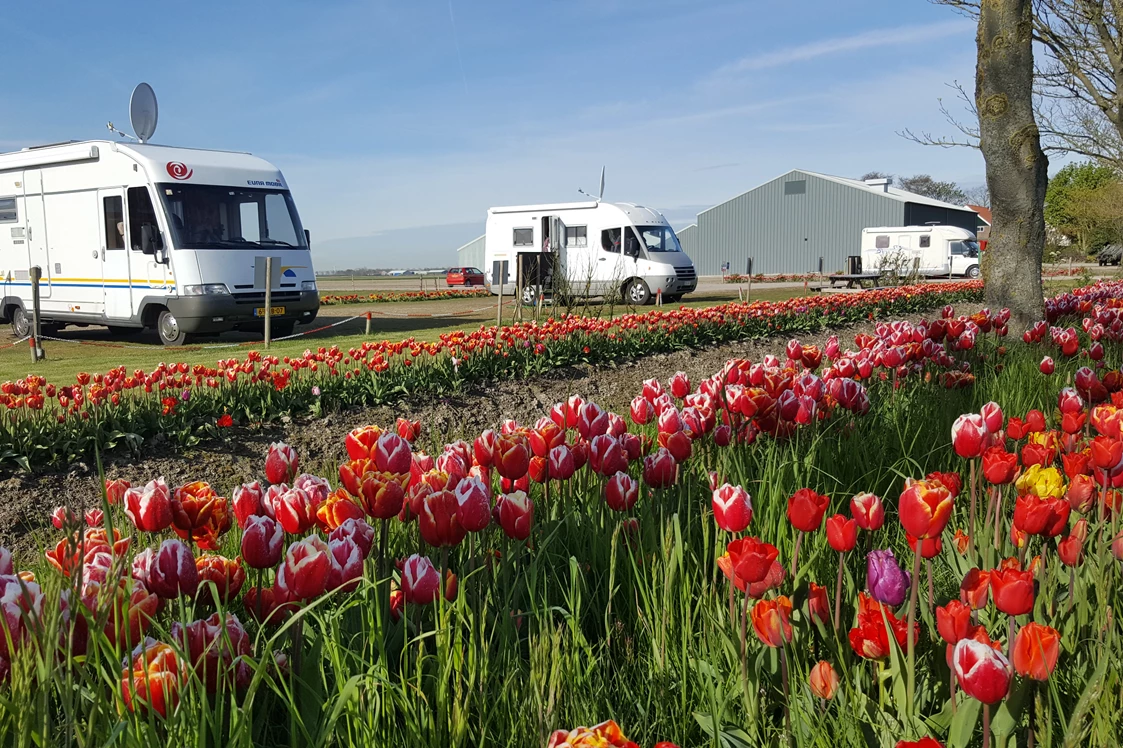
(876, 38)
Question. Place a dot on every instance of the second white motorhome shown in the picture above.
(930, 250)
(592, 248)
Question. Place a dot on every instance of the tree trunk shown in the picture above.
(1017, 169)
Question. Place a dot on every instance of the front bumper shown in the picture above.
(204, 314)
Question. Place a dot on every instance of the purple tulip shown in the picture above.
(885, 580)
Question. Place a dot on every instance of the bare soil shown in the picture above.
(27, 500)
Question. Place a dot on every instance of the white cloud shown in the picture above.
(874, 39)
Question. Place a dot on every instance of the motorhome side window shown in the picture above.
(141, 214)
(958, 248)
(524, 237)
(610, 240)
(8, 212)
(576, 236)
(881, 242)
(925, 241)
(114, 222)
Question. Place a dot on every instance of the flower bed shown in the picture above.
(389, 296)
(773, 278)
(47, 422)
(727, 563)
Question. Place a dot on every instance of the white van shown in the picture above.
(589, 248)
(934, 250)
(136, 235)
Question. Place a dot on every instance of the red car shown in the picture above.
(464, 277)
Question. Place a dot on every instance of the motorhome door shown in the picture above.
(36, 228)
(608, 274)
(117, 281)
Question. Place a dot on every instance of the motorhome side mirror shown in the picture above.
(308, 238)
(148, 239)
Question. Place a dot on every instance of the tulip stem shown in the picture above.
(974, 529)
(732, 608)
(931, 587)
(838, 591)
(986, 725)
(998, 520)
(911, 683)
(795, 554)
(381, 570)
(784, 681)
(744, 651)
(951, 688)
(1071, 585)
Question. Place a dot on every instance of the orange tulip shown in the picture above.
(772, 621)
(823, 680)
(1036, 649)
(154, 680)
(199, 514)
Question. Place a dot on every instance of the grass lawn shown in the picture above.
(93, 350)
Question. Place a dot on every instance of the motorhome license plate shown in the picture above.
(273, 311)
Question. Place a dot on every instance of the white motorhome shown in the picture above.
(148, 236)
(591, 248)
(932, 250)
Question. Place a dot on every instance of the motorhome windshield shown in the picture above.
(966, 248)
(212, 217)
(659, 239)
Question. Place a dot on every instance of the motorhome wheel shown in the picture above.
(21, 322)
(973, 271)
(168, 328)
(638, 293)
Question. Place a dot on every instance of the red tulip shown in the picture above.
(247, 501)
(359, 531)
(562, 466)
(733, 508)
(641, 411)
(925, 508)
(953, 621)
(1069, 401)
(772, 621)
(818, 607)
(262, 542)
(621, 492)
(1071, 549)
(62, 516)
(969, 435)
(842, 533)
(1077, 463)
(680, 385)
(992, 417)
(473, 505)
(484, 448)
(747, 561)
(408, 430)
(115, 490)
(420, 581)
(346, 570)
(295, 511)
(172, 571)
(659, 469)
(1034, 515)
(983, 673)
(606, 456)
(516, 514)
(806, 509)
(392, 454)
(1035, 422)
(870, 639)
(591, 421)
(1013, 590)
(867, 511)
(227, 575)
(360, 444)
(149, 508)
(951, 481)
(929, 547)
(999, 466)
(304, 571)
(281, 463)
(975, 588)
(1107, 453)
(823, 680)
(438, 520)
(1036, 649)
(1082, 493)
(512, 456)
(1047, 366)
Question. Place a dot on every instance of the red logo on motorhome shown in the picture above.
(179, 170)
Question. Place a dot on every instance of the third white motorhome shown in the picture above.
(592, 248)
(930, 250)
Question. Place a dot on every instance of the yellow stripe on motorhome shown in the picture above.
(60, 279)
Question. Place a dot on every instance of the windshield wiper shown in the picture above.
(275, 243)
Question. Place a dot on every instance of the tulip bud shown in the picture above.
(591, 421)
(358, 530)
(842, 533)
(984, 673)
(247, 501)
(641, 411)
(408, 430)
(621, 492)
(346, 570)
(262, 542)
(867, 511)
(438, 521)
(969, 435)
(733, 508)
(885, 580)
(515, 514)
(420, 581)
(680, 385)
(659, 469)
(818, 607)
(772, 621)
(295, 512)
(304, 571)
(281, 463)
(823, 680)
(1035, 652)
(806, 509)
(172, 571)
(1047, 366)
(1069, 401)
(992, 417)
(392, 454)
(115, 490)
(474, 508)
(925, 508)
(226, 574)
(1012, 590)
(149, 507)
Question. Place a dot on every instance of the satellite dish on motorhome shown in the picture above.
(600, 195)
(143, 112)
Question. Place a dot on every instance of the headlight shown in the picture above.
(308, 286)
(207, 289)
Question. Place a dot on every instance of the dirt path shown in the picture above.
(26, 501)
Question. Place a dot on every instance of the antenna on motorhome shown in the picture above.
(121, 133)
(600, 195)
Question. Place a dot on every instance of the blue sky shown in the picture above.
(391, 115)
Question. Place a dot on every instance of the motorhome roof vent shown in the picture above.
(880, 184)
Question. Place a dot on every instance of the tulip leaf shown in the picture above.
(963, 723)
(728, 737)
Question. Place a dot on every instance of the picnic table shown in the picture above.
(852, 280)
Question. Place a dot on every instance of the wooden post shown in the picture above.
(36, 274)
(352, 282)
(269, 298)
(501, 279)
(368, 325)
